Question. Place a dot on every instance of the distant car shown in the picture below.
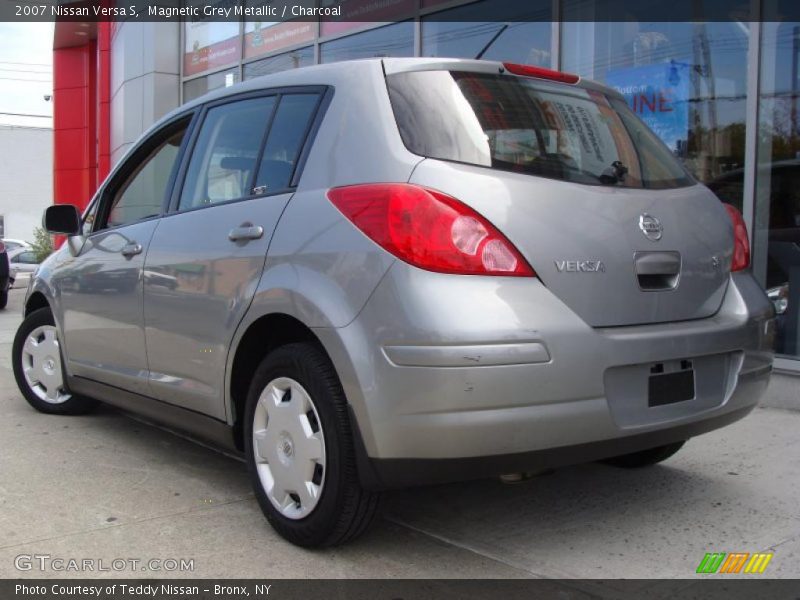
(22, 265)
(5, 280)
(16, 244)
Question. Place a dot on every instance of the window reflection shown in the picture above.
(302, 57)
(776, 232)
(524, 31)
(391, 40)
(687, 81)
(202, 85)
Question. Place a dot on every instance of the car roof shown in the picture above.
(341, 74)
(325, 74)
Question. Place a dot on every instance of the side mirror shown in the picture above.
(62, 219)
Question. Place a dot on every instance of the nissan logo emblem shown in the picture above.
(651, 227)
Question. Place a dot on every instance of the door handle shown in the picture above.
(132, 249)
(246, 231)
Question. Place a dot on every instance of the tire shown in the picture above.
(309, 449)
(51, 394)
(3, 299)
(645, 458)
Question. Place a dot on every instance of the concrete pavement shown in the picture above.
(106, 487)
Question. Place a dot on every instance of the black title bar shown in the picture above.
(266, 11)
(402, 589)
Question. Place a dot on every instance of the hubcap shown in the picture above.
(289, 448)
(41, 364)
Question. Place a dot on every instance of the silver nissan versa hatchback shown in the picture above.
(395, 272)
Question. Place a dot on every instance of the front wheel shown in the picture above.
(645, 458)
(36, 358)
(300, 453)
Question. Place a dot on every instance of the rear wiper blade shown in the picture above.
(614, 174)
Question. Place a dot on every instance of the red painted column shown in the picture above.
(73, 182)
(103, 100)
(81, 118)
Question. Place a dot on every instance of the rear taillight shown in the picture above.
(741, 243)
(2, 247)
(429, 229)
(541, 73)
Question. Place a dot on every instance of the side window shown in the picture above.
(26, 258)
(142, 194)
(226, 152)
(286, 137)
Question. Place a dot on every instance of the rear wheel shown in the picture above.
(299, 449)
(645, 458)
(36, 358)
(3, 299)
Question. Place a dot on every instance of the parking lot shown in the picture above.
(106, 486)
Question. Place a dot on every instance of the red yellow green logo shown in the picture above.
(734, 562)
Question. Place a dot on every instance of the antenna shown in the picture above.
(492, 41)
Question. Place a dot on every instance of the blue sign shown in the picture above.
(659, 94)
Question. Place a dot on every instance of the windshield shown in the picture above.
(530, 126)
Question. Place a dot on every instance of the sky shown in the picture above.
(26, 72)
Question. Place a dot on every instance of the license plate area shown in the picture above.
(633, 398)
(670, 383)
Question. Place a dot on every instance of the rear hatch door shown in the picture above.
(604, 212)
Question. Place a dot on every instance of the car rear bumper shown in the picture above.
(381, 474)
(453, 377)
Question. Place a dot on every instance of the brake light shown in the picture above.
(429, 229)
(541, 73)
(2, 247)
(741, 243)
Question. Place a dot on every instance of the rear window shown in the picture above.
(530, 126)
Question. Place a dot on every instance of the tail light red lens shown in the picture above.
(429, 229)
(741, 245)
(2, 247)
(541, 73)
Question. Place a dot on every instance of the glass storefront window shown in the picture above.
(302, 57)
(392, 40)
(268, 38)
(776, 228)
(202, 85)
(687, 81)
(459, 33)
(209, 45)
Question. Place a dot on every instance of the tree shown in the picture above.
(42, 244)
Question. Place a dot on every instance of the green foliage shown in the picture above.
(42, 244)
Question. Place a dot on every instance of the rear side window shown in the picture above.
(530, 126)
(226, 152)
(283, 146)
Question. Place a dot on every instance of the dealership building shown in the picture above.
(723, 95)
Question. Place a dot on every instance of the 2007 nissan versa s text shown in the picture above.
(394, 272)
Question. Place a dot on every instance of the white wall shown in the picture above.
(26, 178)
(145, 79)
